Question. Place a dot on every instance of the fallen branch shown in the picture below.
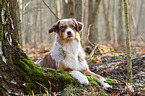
(93, 51)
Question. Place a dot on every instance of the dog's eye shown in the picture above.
(62, 27)
(72, 26)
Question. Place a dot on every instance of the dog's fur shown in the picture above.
(67, 53)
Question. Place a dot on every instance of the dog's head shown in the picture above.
(67, 28)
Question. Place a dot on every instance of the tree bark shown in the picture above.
(107, 21)
(68, 9)
(41, 24)
(15, 14)
(139, 20)
(92, 19)
(120, 24)
(79, 10)
(129, 63)
(114, 26)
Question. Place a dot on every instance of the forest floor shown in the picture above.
(107, 62)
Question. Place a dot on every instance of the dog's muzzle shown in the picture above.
(69, 34)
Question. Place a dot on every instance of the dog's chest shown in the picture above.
(69, 55)
(72, 48)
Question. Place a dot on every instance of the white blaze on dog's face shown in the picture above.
(67, 28)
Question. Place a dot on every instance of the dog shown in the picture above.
(67, 53)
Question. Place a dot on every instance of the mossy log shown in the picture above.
(32, 73)
(56, 79)
(31, 78)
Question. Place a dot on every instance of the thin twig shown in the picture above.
(141, 37)
(46, 90)
(89, 34)
(50, 9)
(93, 51)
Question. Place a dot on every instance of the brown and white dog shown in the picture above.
(67, 53)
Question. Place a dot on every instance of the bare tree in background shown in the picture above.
(120, 23)
(114, 25)
(139, 19)
(107, 20)
(79, 10)
(129, 62)
(68, 9)
(93, 19)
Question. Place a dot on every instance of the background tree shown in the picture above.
(129, 63)
(93, 19)
(107, 20)
(114, 26)
(67, 6)
(139, 20)
(79, 10)
(120, 23)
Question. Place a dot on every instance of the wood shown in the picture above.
(107, 20)
(129, 62)
(120, 24)
(114, 26)
(92, 19)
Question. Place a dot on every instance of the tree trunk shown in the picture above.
(68, 9)
(129, 63)
(106, 14)
(79, 10)
(41, 20)
(114, 26)
(139, 19)
(35, 20)
(120, 24)
(92, 19)
(132, 15)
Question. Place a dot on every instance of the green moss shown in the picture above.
(91, 78)
(25, 76)
(109, 79)
(93, 83)
(24, 66)
(33, 73)
(59, 79)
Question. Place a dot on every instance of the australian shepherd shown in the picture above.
(67, 53)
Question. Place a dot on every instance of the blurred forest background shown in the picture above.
(105, 18)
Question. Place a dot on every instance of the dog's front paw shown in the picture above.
(106, 85)
(84, 80)
(80, 77)
(102, 80)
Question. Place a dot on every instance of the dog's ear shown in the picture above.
(79, 25)
(55, 27)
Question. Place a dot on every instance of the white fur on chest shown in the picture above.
(75, 56)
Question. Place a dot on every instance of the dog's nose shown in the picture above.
(69, 33)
